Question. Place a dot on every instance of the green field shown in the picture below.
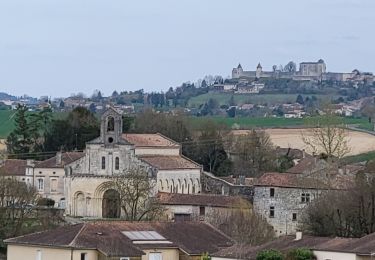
(268, 122)
(363, 157)
(223, 98)
(6, 122)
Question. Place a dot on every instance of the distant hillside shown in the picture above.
(4, 96)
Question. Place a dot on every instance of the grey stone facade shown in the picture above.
(288, 205)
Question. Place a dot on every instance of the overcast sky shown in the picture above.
(59, 47)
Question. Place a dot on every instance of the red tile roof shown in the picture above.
(289, 180)
(304, 164)
(194, 238)
(66, 158)
(13, 167)
(282, 244)
(149, 140)
(199, 200)
(169, 162)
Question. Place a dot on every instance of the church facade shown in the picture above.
(86, 179)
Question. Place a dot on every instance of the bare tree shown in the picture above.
(16, 203)
(327, 135)
(136, 190)
(253, 154)
(242, 224)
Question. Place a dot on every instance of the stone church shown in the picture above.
(113, 152)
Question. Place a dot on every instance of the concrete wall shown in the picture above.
(16, 252)
(167, 254)
(323, 255)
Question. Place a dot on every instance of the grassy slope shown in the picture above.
(223, 98)
(7, 121)
(360, 157)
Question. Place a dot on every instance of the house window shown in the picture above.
(272, 192)
(83, 256)
(305, 197)
(117, 163)
(272, 212)
(40, 184)
(53, 185)
(202, 211)
(294, 217)
(103, 163)
(155, 256)
(38, 255)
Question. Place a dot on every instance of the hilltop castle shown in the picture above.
(308, 71)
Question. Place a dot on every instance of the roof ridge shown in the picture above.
(78, 233)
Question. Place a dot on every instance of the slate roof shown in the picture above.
(199, 200)
(289, 180)
(194, 238)
(13, 167)
(150, 140)
(163, 162)
(66, 158)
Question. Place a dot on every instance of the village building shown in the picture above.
(281, 198)
(119, 240)
(199, 207)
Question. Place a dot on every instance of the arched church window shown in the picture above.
(111, 124)
(103, 162)
(117, 163)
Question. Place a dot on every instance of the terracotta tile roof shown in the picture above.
(306, 164)
(199, 200)
(169, 162)
(149, 140)
(13, 167)
(194, 238)
(66, 158)
(289, 180)
(282, 244)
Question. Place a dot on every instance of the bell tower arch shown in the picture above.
(111, 127)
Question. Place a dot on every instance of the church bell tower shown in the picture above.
(111, 127)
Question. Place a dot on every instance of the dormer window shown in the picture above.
(111, 124)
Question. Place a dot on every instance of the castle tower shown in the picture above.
(258, 72)
(237, 72)
(111, 127)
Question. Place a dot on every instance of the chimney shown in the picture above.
(298, 236)
(58, 158)
(30, 163)
(303, 153)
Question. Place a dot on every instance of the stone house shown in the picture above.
(281, 198)
(119, 240)
(202, 207)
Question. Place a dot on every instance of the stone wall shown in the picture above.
(286, 202)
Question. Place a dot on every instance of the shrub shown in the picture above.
(300, 254)
(270, 255)
(46, 202)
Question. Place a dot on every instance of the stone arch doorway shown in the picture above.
(111, 204)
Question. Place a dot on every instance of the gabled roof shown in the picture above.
(173, 162)
(66, 158)
(13, 167)
(199, 200)
(305, 164)
(288, 180)
(282, 244)
(194, 238)
(150, 140)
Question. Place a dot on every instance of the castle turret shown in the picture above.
(237, 72)
(258, 71)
